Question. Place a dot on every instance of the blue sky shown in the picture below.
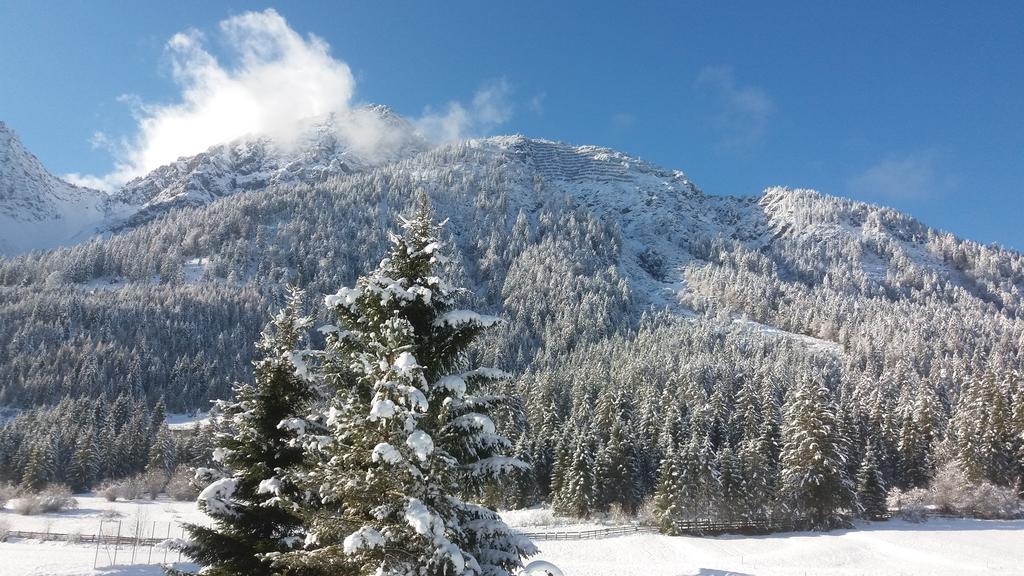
(919, 106)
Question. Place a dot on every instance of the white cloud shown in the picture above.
(279, 78)
(740, 113)
(537, 103)
(912, 177)
(275, 79)
(623, 121)
(490, 108)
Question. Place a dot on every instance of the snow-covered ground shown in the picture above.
(938, 547)
(93, 509)
(935, 548)
(187, 421)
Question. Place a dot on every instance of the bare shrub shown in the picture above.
(645, 513)
(911, 505)
(127, 489)
(153, 483)
(6, 493)
(181, 485)
(56, 498)
(26, 504)
(109, 491)
(952, 492)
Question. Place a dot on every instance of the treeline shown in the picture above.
(698, 420)
(82, 442)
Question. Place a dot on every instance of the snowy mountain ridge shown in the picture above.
(666, 225)
(36, 207)
(320, 150)
(41, 211)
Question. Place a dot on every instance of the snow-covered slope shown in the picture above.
(323, 148)
(37, 209)
(40, 211)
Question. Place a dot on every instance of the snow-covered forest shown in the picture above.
(687, 355)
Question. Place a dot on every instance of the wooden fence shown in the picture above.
(590, 534)
(692, 527)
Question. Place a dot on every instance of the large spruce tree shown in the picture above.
(408, 439)
(249, 500)
(814, 479)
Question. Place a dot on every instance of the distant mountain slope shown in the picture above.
(41, 211)
(572, 244)
(320, 150)
(37, 209)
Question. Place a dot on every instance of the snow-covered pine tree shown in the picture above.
(616, 472)
(668, 509)
(40, 467)
(84, 462)
(163, 452)
(408, 437)
(814, 479)
(248, 501)
(735, 502)
(871, 494)
(575, 497)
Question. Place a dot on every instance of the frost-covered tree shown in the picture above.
(871, 493)
(814, 479)
(250, 496)
(576, 494)
(409, 438)
(668, 507)
(616, 471)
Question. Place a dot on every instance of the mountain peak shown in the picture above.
(38, 209)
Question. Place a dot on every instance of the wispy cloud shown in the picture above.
(490, 108)
(273, 79)
(916, 176)
(740, 113)
(623, 121)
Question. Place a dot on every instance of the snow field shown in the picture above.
(938, 547)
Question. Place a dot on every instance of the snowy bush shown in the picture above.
(911, 505)
(152, 483)
(6, 493)
(181, 486)
(109, 491)
(5, 530)
(951, 492)
(56, 498)
(645, 513)
(128, 489)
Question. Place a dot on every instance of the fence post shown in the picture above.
(135, 543)
(117, 542)
(165, 541)
(179, 547)
(152, 533)
(96, 556)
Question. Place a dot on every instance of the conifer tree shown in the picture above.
(40, 467)
(814, 478)
(408, 438)
(256, 455)
(616, 473)
(576, 496)
(84, 462)
(163, 452)
(871, 494)
(734, 501)
(668, 507)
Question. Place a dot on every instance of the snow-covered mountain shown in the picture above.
(37, 209)
(322, 148)
(40, 211)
